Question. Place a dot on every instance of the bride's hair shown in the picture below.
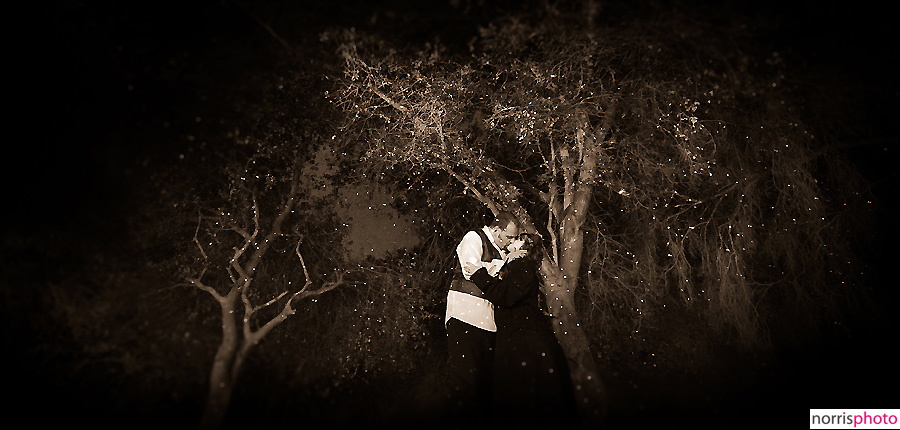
(534, 252)
(532, 245)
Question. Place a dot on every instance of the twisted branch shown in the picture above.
(196, 231)
(470, 186)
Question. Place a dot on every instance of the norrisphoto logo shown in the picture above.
(854, 418)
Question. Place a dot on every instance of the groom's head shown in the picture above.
(504, 228)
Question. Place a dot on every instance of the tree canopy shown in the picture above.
(714, 184)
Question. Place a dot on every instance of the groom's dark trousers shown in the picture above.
(471, 361)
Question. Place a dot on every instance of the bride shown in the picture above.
(531, 377)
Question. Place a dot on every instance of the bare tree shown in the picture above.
(242, 325)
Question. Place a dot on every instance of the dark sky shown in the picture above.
(99, 77)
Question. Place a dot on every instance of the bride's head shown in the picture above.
(531, 244)
(532, 252)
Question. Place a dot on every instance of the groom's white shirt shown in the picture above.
(466, 307)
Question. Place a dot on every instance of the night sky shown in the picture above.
(103, 86)
(104, 83)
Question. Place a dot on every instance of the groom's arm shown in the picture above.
(469, 253)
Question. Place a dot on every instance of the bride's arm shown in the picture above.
(513, 288)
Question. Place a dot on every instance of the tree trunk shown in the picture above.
(236, 345)
(561, 280)
(589, 391)
(221, 378)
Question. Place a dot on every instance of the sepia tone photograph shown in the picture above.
(457, 214)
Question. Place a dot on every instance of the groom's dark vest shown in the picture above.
(488, 253)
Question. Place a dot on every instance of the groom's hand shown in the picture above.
(516, 254)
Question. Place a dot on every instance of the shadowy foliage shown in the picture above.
(720, 190)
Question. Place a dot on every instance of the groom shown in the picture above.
(470, 318)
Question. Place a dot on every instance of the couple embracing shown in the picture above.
(505, 365)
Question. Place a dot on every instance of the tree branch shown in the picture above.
(328, 286)
(267, 28)
(239, 252)
(288, 310)
(384, 97)
(199, 284)
(274, 232)
(303, 264)
(469, 186)
(196, 231)
(553, 203)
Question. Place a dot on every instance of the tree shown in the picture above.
(427, 115)
(249, 247)
(656, 168)
(262, 242)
